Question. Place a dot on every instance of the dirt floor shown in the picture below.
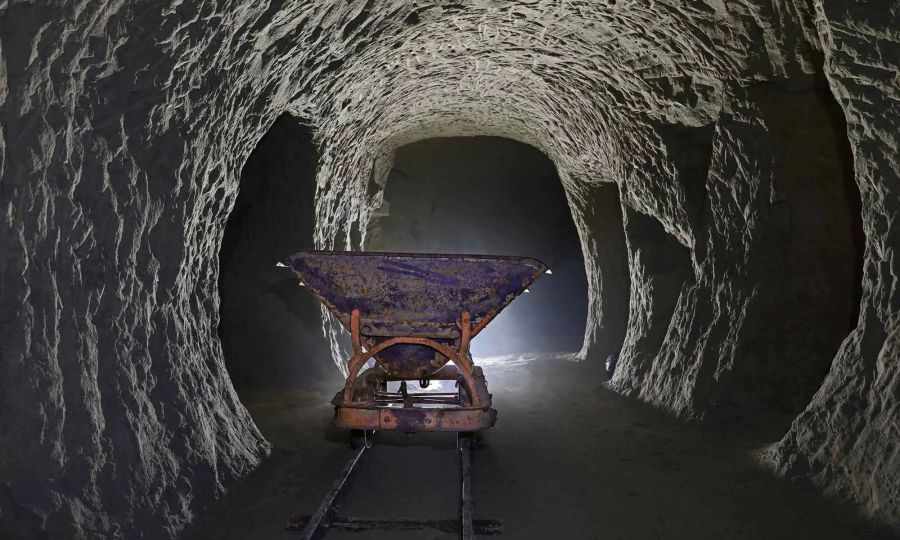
(567, 459)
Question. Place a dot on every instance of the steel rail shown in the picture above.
(466, 504)
(314, 527)
(349, 523)
(322, 518)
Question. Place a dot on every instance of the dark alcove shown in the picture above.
(814, 271)
(271, 328)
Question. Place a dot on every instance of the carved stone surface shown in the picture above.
(848, 439)
(126, 125)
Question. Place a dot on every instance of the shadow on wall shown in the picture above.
(491, 195)
(815, 274)
(271, 329)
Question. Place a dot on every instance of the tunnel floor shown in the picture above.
(588, 464)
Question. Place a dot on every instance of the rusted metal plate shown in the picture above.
(414, 294)
(414, 419)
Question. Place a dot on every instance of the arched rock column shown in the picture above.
(597, 211)
(742, 284)
(848, 439)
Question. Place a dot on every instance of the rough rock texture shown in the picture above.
(748, 318)
(848, 439)
(126, 124)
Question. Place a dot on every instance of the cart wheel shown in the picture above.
(360, 438)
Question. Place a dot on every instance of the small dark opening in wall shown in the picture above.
(412, 18)
(270, 328)
(491, 195)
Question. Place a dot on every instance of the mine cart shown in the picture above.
(416, 315)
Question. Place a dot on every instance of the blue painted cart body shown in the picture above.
(413, 313)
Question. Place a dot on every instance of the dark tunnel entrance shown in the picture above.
(491, 195)
(270, 328)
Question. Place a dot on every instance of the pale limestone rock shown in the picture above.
(125, 127)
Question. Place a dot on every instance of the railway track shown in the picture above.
(325, 518)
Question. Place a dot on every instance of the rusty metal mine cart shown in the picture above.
(415, 315)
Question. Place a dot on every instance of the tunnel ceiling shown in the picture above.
(126, 126)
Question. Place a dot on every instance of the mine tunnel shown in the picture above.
(493, 196)
(390, 269)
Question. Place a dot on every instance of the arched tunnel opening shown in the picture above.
(478, 195)
(816, 265)
(495, 196)
(270, 329)
(714, 187)
(492, 195)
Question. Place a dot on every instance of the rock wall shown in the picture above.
(848, 438)
(124, 128)
(751, 315)
(126, 125)
(598, 208)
